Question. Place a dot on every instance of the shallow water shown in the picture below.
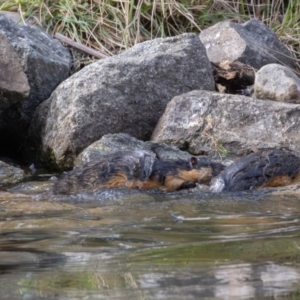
(128, 245)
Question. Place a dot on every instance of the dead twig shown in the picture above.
(79, 46)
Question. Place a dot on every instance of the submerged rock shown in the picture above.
(32, 187)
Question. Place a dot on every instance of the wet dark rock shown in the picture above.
(44, 60)
(125, 93)
(220, 125)
(252, 43)
(38, 64)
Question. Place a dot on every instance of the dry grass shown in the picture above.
(111, 26)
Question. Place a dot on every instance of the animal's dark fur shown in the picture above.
(137, 169)
(137, 165)
(265, 168)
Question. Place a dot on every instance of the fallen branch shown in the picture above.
(78, 46)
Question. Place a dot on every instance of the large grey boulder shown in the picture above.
(276, 82)
(32, 66)
(218, 124)
(252, 43)
(125, 93)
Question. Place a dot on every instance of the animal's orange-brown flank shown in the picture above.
(143, 170)
(137, 169)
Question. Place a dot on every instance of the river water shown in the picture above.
(130, 245)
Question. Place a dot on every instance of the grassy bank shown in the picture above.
(113, 25)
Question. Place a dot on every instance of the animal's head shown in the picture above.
(202, 170)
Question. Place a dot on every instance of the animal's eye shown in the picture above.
(193, 161)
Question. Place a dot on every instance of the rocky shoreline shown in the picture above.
(160, 92)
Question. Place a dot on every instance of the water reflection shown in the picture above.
(238, 281)
(247, 281)
(135, 246)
